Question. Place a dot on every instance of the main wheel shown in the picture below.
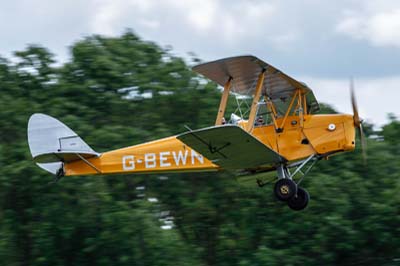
(299, 201)
(285, 189)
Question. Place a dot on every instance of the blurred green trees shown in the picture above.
(116, 92)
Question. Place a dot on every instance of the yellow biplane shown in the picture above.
(280, 132)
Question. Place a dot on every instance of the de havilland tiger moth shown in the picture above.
(279, 132)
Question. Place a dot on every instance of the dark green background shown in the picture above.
(353, 217)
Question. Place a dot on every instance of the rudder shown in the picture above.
(52, 142)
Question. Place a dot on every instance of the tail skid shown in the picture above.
(52, 143)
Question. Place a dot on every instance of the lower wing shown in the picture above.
(231, 147)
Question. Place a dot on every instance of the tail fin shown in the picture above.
(52, 143)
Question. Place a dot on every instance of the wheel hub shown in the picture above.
(285, 189)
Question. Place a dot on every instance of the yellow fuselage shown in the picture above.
(314, 134)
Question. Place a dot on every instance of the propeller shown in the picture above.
(358, 122)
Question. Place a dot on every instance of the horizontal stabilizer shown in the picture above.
(51, 141)
(231, 147)
(53, 168)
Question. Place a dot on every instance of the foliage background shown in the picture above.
(352, 219)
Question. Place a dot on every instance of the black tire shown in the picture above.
(285, 189)
(299, 201)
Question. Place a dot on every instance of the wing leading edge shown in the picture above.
(231, 147)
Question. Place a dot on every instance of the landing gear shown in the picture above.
(286, 189)
(59, 174)
(299, 201)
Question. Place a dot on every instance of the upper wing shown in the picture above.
(231, 147)
(244, 71)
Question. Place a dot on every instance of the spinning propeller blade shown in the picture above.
(358, 122)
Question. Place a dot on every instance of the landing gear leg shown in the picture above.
(285, 187)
